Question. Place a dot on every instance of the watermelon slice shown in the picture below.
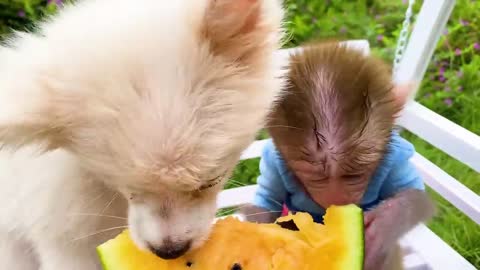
(237, 245)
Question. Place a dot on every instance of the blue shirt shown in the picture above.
(277, 185)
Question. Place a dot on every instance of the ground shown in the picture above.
(451, 86)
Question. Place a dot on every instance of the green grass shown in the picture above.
(451, 86)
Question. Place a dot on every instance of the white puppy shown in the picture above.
(121, 111)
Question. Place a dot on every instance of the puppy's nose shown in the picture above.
(171, 250)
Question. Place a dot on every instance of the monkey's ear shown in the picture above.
(403, 92)
(240, 29)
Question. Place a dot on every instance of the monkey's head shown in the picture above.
(335, 122)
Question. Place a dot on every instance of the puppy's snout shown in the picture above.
(171, 250)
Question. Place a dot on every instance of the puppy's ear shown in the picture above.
(241, 30)
(29, 114)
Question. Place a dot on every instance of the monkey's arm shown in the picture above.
(385, 224)
(271, 192)
(405, 204)
(397, 215)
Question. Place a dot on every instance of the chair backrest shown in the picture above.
(435, 129)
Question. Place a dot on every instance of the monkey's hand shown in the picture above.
(385, 224)
(380, 234)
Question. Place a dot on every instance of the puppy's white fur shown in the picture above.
(117, 106)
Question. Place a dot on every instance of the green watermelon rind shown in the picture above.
(356, 236)
(102, 252)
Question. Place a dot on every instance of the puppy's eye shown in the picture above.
(212, 182)
(136, 196)
(133, 197)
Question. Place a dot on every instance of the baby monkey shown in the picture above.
(334, 143)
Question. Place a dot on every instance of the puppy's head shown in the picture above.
(159, 106)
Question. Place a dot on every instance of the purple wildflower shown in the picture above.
(442, 78)
(464, 22)
(448, 102)
(57, 2)
(404, 2)
(458, 51)
(476, 46)
(448, 89)
(343, 29)
(445, 31)
(380, 38)
(459, 74)
(21, 14)
(441, 71)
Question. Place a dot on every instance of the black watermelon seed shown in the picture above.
(289, 225)
(236, 266)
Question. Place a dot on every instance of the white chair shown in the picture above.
(425, 250)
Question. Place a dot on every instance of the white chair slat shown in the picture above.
(437, 254)
(236, 196)
(254, 150)
(442, 133)
(448, 187)
(413, 261)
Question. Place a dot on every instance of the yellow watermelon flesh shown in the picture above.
(237, 245)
